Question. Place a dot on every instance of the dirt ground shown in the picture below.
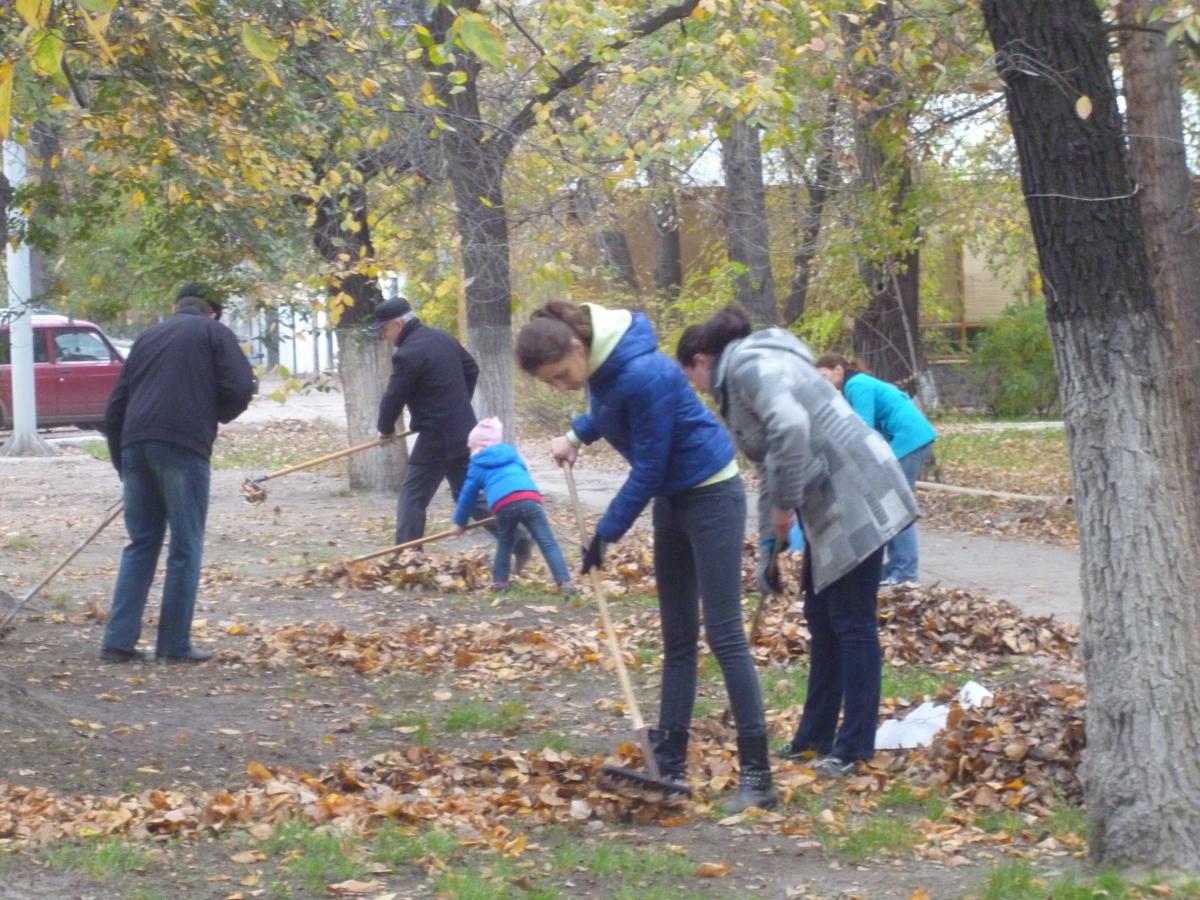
(76, 726)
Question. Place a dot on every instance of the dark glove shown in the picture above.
(766, 575)
(593, 554)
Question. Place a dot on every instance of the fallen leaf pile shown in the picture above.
(499, 650)
(1022, 748)
(441, 572)
(930, 626)
(472, 795)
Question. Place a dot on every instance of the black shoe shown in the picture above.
(113, 655)
(755, 787)
(835, 767)
(670, 752)
(522, 553)
(192, 656)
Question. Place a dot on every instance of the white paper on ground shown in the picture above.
(919, 726)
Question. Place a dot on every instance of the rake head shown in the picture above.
(634, 782)
(253, 492)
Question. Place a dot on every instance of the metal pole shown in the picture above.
(24, 440)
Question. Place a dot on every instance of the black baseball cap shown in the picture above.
(389, 310)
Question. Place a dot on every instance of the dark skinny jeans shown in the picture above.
(698, 537)
(847, 663)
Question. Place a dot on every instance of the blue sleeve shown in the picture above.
(859, 392)
(585, 429)
(466, 497)
(650, 411)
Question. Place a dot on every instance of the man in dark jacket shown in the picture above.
(183, 376)
(434, 376)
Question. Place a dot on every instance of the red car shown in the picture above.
(75, 369)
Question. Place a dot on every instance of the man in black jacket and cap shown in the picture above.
(183, 376)
(434, 376)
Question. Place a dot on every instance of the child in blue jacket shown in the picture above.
(498, 470)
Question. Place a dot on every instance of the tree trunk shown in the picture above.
(810, 219)
(887, 335)
(1158, 154)
(364, 361)
(886, 339)
(668, 251)
(477, 173)
(1138, 510)
(365, 364)
(747, 238)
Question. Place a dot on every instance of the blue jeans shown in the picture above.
(164, 484)
(847, 663)
(698, 537)
(509, 519)
(901, 562)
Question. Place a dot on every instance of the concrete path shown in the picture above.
(1040, 579)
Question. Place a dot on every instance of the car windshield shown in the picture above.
(80, 346)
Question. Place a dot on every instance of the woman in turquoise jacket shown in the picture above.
(889, 411)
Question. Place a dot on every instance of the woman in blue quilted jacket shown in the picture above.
(889, 411)
(682, 459)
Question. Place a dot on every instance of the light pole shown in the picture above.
(25, 440)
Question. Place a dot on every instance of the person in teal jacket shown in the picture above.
(889, 411)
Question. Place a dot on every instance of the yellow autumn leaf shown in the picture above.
(35, 12)
(368, 86)
(1083, 107)
(6, 86)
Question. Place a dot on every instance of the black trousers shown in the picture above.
(421, 481)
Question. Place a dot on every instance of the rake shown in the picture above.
(254, 492)
(441, 535)
(652, 777)
(113, 511)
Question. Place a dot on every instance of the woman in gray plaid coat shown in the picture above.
(817, 458)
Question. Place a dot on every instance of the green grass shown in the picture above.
(1067, 819)
(706, 706)
(477, 715)
(490, 881)
(554, 740)
(785, 687)
(616, 860)
(899, 796)
(60, 601)
(1001, 822)
(416, 725)
(935, 808)
(315, 857)
(103, 860)
(396, 846)
(914, 682)
(97, 450)
(21, 542)
(879, 836)
(1018, 880)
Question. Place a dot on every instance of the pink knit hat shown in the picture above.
(489, 431)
